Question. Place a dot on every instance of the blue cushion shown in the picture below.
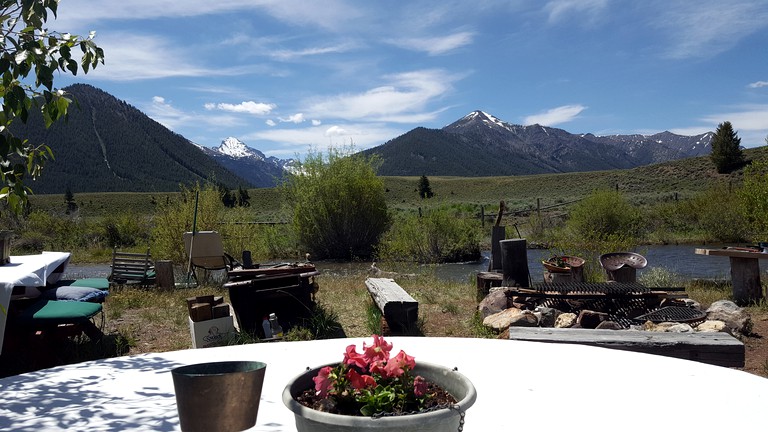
(75, 293)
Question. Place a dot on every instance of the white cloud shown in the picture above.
(173, 118)
(758, 84)
(306, 52)
(316, 122)
(750, 122)
(705, 28)
(296, 118)
(402, 99)
(297, 141)
(336, 131)
(131, 57)
(248, 107)
(270, 122)
(554, 116)
(436, 45)
(558, 10)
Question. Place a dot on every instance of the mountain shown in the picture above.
(107, 145)
(480, 144)
(248, 163)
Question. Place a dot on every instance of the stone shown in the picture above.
(493, 303)
(608, 325)
(712, 326)
(547, 316)
(526, 319)
(658, 327)
(736, 318)
(565, 320)
(680, 328)
(500, 321)
(591, 319)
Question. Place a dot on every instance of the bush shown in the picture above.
(754, 196)
(338, 205)
(440, 235)
(604, 214)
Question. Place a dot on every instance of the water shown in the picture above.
(679, 259)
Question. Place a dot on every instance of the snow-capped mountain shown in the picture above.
(480, 144)
(248, 163)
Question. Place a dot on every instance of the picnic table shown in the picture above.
(745, 271)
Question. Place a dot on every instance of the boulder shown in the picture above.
(608, 325)
(712, 326)
(591, 319)
(737, 319)
(526, 319)
(493, 303)
(680, 328)
(565, 320)
(500, 321)
(547, 316)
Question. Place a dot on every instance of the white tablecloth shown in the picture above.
(520, 386)
(28, 271)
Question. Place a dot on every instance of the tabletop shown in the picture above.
(28, 271)
(733, 253)
(520, 385)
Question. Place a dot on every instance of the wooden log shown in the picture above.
(486, 280)
(164, 274)
(719, 348)
(514, 256)
(400, 309)
(745, 277)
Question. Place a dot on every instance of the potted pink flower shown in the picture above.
(372, 388)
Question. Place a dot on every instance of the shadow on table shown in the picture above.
(52, 394)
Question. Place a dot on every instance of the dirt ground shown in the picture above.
(756, 346)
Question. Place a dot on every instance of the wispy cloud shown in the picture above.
(247, 107)
(589, 10)
(294, 141)
(705, 28)
(165, 113)
(749, 121)
(403, 99)
(284, 54)
(555, 116)
(758, 84)
(295, 118)
(131, 57)
(436, 45)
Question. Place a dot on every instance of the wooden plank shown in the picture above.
(400, 309)
(720, 349)
(737, 253)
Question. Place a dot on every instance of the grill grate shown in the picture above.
(593, 288)
(673, 314)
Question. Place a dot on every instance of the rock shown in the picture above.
(608, 325)
(680, 328)
(526, 319)
(500, 321)
(658, 327)
(591, 319)
(712, 326)
(691, 303)
(493, 303)
(737, 319)
(547, 316)
(565, 320)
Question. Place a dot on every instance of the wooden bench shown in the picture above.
(401, 311)
(717, 348)
(129, 267)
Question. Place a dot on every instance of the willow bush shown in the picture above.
(442, 234)
(754, 196)
(338, 205)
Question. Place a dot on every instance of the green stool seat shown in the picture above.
(53, 312)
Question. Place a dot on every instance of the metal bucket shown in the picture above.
(219, 396)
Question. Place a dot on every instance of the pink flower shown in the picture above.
(353, 358)
(419, 386)
(360, 381)
(378, 351)
(395, 365)
(324, 381)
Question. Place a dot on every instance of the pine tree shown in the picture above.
(726, 150)
(425, 190)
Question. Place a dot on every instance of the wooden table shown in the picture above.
(745, 272)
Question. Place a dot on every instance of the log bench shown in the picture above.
(717, 348)
(400, 310)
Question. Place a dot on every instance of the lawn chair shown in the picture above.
(205, 250)
(129, 267)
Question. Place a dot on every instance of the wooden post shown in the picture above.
(164, 272)
(745, 277)
(514, 256)
(486, 280)
(482, 216)
(498, 233)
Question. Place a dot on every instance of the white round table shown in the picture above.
(520, 386)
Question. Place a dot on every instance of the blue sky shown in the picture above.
(285, 76)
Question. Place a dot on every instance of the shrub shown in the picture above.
(338, 204)
(604, 214)
(440, 235)
(754, 196)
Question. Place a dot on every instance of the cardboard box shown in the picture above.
(210, 333)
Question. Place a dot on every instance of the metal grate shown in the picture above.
(612, 288)
(673, 314)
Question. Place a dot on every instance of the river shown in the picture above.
(679, 259)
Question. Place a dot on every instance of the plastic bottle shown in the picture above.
(265, 325)
(277, 330)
